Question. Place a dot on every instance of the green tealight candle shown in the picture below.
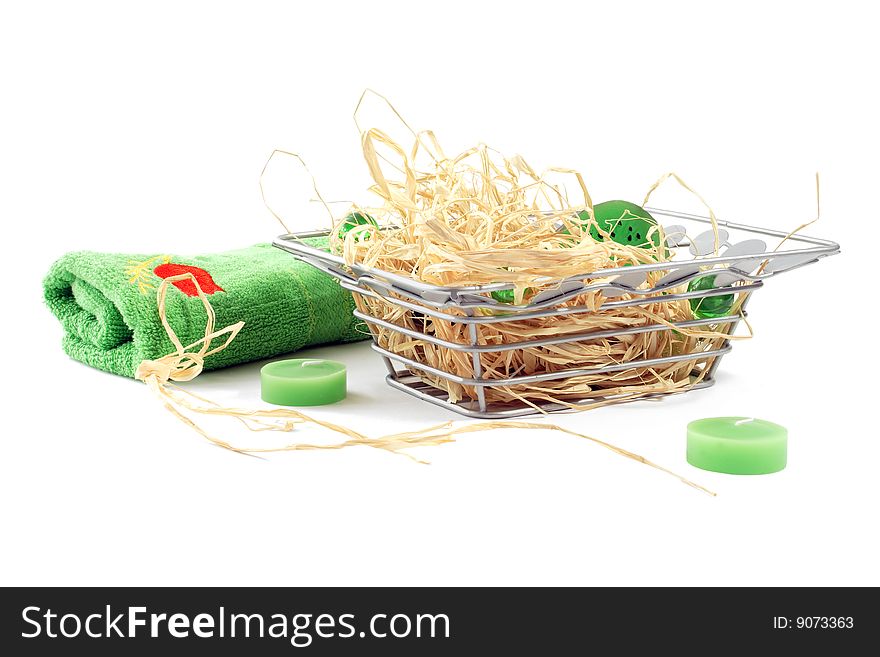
(303, 382)
(737, 445)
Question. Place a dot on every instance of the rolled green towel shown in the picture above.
(106, 304)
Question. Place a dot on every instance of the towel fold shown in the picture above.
(106, 304)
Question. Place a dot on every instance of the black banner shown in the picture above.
(418, 621)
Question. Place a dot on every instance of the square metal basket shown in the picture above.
(742, 265)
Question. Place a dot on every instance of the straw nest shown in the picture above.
(481, 218)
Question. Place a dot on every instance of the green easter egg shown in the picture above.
(709, 307)
(503, 296)
(356, 219)
(626, 222)
(507, 296)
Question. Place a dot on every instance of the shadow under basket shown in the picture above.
(608, 336)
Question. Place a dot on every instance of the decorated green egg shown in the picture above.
(626, 223)
(503, 296)
(356, 219)
(709, 307)
(506, 296)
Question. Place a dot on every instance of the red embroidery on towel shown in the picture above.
(186, 286)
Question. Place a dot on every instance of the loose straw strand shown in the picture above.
(677, 178)
(183, 364)
(802, 226)
(302, 163)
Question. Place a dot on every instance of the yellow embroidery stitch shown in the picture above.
(141, 273)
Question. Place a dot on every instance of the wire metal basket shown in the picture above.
(741, 266)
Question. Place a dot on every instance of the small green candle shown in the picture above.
(737, 445)
(303, 382)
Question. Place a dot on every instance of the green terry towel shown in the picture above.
(106, 304)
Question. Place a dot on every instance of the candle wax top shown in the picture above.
(303, 368)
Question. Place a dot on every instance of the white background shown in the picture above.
(144, 128)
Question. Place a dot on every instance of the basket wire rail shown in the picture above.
(734, 267)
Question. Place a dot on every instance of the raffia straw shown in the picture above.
(302, 163)
(741, 301)
(187, 362)
(482, 218)
(682, 183)
(801, 227)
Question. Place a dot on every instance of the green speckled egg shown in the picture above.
(626, 222)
